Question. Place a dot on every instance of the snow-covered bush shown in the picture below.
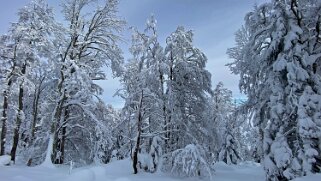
(5, 160)
(190, 161)
(228, 153)
(144, 161)
(156, 153)
(150, 161)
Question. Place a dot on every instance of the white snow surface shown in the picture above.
(122, 171)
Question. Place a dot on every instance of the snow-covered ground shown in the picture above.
(121, 171)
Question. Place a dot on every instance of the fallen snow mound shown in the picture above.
(5, 160)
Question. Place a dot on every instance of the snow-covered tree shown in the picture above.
(166, 93)
(277, 57)
(229, 150)
(225, 126)
(90, 43)
(143, 86)
(28, 44)
(190, 161)
(231, 138)
(188, 87)
(7, 72)
(221, 108)
(187, 93)
(47, 82)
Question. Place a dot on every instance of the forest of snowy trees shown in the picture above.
(173, 119)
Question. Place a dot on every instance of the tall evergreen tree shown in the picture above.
(275, 59)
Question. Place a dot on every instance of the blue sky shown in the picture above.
(214, 23)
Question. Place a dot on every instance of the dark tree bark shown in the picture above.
(18, 117)
(55, 143)
(35, 115)
(62, 146)
(60, 138)
(63, 137)
(139, 130)
(5, 105)
(58, 144)
(58, 117)
(4, 123)
(168, 141)
(4, 118)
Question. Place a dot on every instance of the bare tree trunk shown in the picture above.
(57, 117)
(17, 127)
(18, 118)
(161, 78)
(57, 144)
(63, 136)
(5, 106)
(60, 138)
(62, 146)
(139, 130)
(35, 116)
(130, 133)
(4, 123)
(169, 111)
